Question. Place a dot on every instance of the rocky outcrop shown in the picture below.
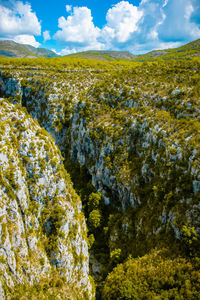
(42, 228)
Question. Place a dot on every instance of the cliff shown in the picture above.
(42, 229)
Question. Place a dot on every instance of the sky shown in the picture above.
(71, 26)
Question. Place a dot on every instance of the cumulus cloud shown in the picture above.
(26, 39)
(81, 48)
(78, 28)
(153, 24)
(165, 24)
(67, 51)
(46, 36)
(19, 23)
(79, 32)
(68, 8)
(177, 24)
(18, 20)
(122, 21)
(152, 17)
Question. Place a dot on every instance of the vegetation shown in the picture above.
(10, 48)
(184, 52)
(52, 287)
(104, 55)
(129, 135)
(154, 276)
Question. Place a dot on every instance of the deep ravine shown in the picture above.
(133, 155)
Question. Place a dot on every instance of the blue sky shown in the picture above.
(72, 26)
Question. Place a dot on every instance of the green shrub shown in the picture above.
(191, 241)
(115, 255)
(91, 240)
(95, 218)
(94, 201)
(154, 276)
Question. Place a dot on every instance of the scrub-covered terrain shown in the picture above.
(129, 136)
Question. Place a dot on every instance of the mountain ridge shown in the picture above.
(187, 50)
(191, 49)
(12, 49)
(9, 48)
(103, 55)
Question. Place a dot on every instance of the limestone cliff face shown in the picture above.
(42, 229)
(136, 147)
(138, 159)
(43, 101)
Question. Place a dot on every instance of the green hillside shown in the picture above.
(184, 52)
(16, 50)
(103, 55)
(12, 49)
(187, 51)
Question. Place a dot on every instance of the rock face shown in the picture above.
(42, 229)
(42, 101)
(139, 144)
(137, 160)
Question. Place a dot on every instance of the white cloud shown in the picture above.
(46, 36)
(188, 11)
(164, 24)
(56, 52)
(26, 39)
(140, 48)
(79, 32)
(177, 25)
(68, 8)
(168, 45)
(92, 46)
(153, 24)
(67, 51)
(122, 21)
(18, 20)
(165, 3)
(153, 34)
(78, 28)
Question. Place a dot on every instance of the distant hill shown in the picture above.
(189, 50)
(103, 55)
(12, 49)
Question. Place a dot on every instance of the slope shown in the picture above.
(103, 55)
(12, 49)
(184, 52)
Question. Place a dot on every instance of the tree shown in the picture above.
(95, 219)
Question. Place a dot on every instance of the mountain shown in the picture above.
(12, 49)
(103, 55)
(189, 50)
(186, 51)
